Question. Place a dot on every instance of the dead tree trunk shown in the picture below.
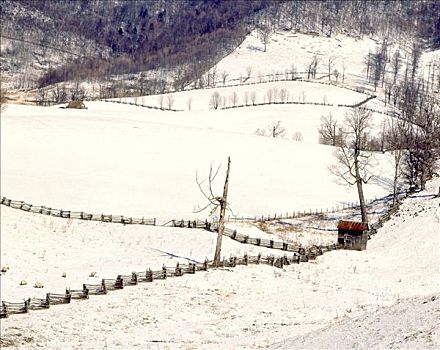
(360, 190)
(221, 223)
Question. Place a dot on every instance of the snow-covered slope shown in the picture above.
(287, 49)
(127, 160)
(409, 324)
(247, 307)
(122, 159)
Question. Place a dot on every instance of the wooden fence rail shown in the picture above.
(299, 255)
(148, 275)
(80, 215)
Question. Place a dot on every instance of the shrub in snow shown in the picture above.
(23, 283)
(93, 274)
(5, 268)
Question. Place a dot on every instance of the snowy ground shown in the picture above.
(134, 161)
(409, 324)
(126, 160)
(78, 248)
(295, 91)
(230, 308)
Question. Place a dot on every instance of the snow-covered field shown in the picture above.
(287, 49)
(295, 91)
(122, 159)
(255, 306)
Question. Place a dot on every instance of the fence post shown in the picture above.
(178, 270)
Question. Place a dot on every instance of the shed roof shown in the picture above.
(352, 225)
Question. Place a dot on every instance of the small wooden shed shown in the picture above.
(76, 104)
(353, 235)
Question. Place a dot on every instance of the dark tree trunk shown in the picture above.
(360, 190)
(221, 223)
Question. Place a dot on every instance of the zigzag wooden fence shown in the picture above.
(300, 213)
(121, 219)
(148, 275)
(68, 214)
(299, 255)
(276, 77)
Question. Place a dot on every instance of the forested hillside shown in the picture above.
(47, 41)
(113, 37)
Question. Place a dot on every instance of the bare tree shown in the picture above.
(189, 103)
(161, 99)
(269, 95)
(283, 95)
(246, 98)
(253, 97)
(248, 72)
(273, 130)
(275, 94)
(395, 140)
(293, 71)
(265, 34)
(215, 203)
(42, 96)
(215, 100)
(330, 62)
(368, 64)
(395, 65)
(170, 101)
(352, 163)
(224, 75)
(59, 94)
(336, 74)
(312, 67)
(329, 131)
(77, 92)
(344, 68)
(297, 136)
(234, 99)
(213, 75)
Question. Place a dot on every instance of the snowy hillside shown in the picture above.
(231, 308)
(287, 49)
(134, 161)
(126, 159)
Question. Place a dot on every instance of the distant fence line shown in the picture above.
(244, 83)
(197, 224)
(68, 214)
(300, 213)
(300, 103)
(142, 105)
(121, 281)
(277, 77)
